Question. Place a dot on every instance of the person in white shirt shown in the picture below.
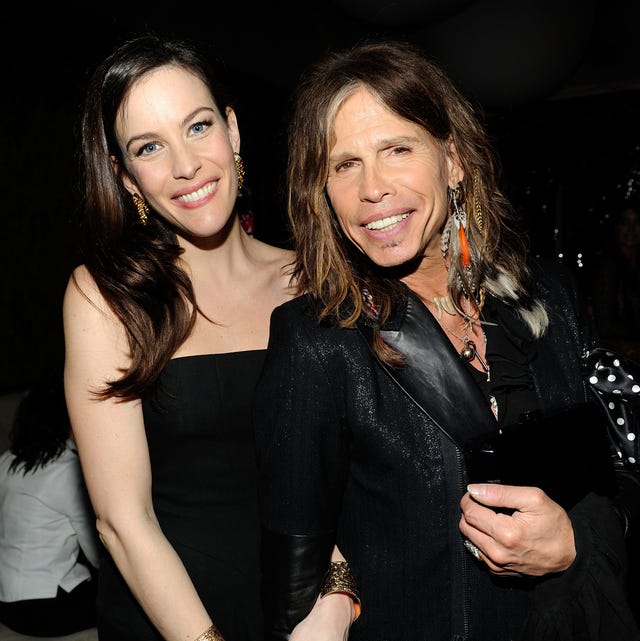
(48, 539)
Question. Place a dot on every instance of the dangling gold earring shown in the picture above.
(239, 168)
(142, 207)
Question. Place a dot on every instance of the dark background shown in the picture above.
(558, 83)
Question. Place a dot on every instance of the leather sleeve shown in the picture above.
(293, 570)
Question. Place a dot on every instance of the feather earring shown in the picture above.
(459, 216)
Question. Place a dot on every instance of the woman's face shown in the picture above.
(388, 181)
(178, 151)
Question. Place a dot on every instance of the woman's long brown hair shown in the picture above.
(136, 267)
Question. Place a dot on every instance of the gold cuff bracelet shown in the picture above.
(339, 579)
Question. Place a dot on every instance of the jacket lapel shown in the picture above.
(435, 377)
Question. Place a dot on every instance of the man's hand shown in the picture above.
(536, 539)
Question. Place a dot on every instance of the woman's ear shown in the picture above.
(123, 175)
(232, 128)
(454, 165)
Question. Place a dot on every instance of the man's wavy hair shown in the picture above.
(405, 81)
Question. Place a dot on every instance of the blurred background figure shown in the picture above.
(48, 541)
(616, 314)
(616, 293)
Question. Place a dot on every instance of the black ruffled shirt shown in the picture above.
(510, 382)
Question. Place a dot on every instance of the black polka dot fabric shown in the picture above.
(615, 381)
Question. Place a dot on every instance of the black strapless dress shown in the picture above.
(202, 450)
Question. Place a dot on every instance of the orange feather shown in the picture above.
(465, 254)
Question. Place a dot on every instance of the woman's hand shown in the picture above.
(537, 539)
(329, 620)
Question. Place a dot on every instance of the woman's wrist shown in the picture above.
(339, 580)
(210, 634)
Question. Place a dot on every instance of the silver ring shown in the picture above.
(474, 549)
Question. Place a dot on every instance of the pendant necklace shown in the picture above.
(443, 304)
(469, 350)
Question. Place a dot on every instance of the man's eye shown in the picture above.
(345, 165)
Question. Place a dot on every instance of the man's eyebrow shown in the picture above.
(380, 144)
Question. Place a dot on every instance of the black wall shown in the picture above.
(565, 118)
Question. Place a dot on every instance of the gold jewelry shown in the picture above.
(477, 208)
(239, 168)
(142, 207)
(445, 239)
(210, 634)
(339, 579)
(480, 298)
(444, 304)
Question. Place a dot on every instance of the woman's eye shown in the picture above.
(147, 148)
(199, 127)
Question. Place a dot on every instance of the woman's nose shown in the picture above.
(185, 162)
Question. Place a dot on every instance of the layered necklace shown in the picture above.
(444, 304)
(469, 351)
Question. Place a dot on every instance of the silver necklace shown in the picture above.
(469, 350)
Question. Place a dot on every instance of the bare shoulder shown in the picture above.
(273, 254)
(82, 286)
(279, 261)
(95, 339)
(82, 298)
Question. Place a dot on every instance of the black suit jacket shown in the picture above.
(345, 455)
